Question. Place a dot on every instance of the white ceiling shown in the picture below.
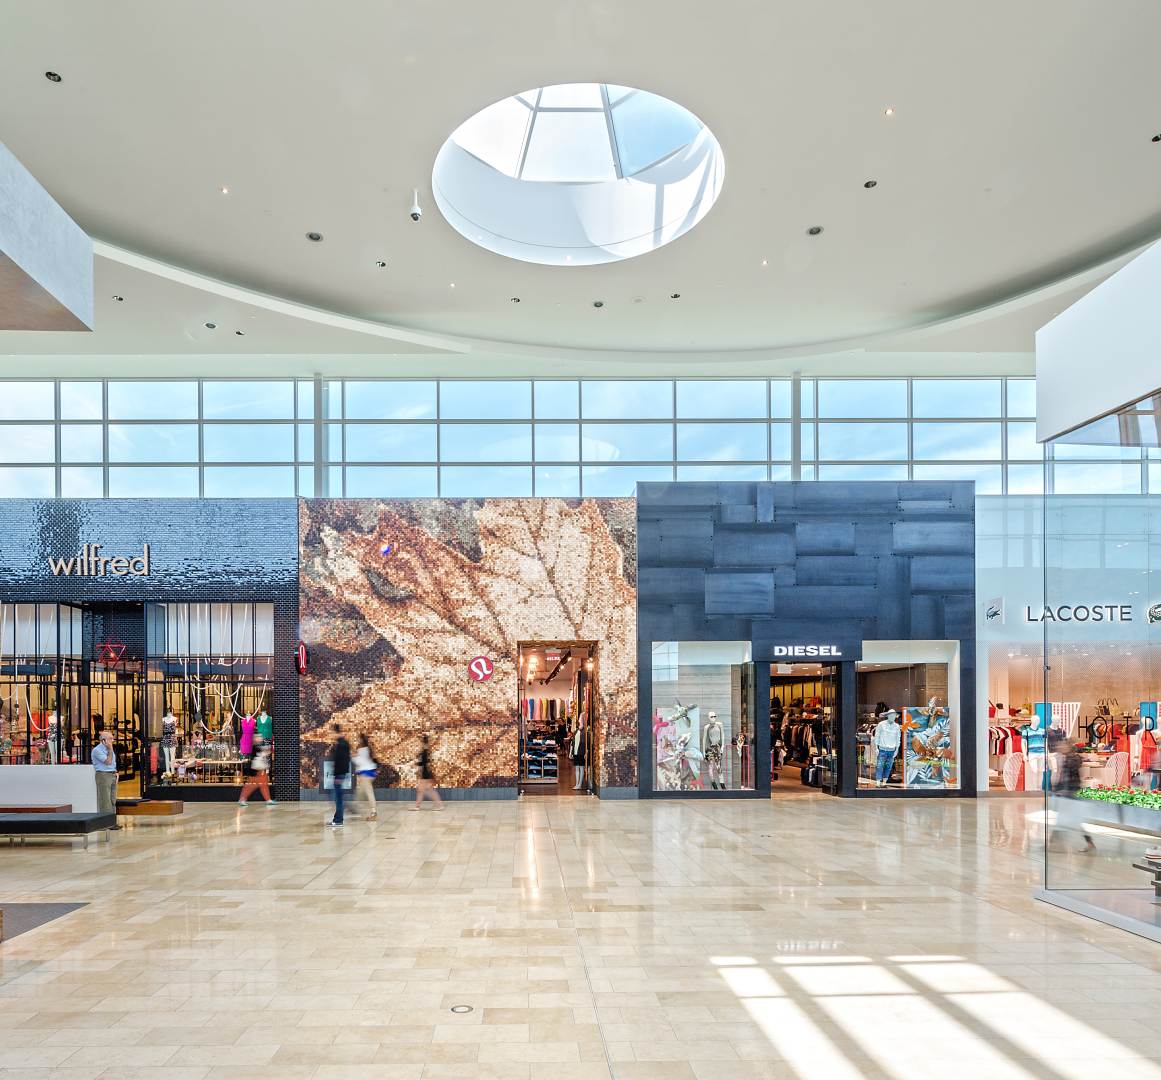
(1019, 154)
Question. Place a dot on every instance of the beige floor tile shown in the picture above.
(680, 941)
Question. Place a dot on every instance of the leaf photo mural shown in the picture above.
(398, 597)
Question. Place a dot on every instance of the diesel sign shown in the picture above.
(88, 563)
(807, 650)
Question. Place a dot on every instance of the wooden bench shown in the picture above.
(26, 825)
(37, 808)
(150, 807)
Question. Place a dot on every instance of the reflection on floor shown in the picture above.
(661, 940)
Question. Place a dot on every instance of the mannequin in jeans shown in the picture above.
(888, 735)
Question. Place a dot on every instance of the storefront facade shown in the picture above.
(516, 633)
(779, 622)
(160, 620)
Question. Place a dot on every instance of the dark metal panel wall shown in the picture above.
(798, 563)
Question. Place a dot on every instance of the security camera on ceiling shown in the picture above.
(416, 211)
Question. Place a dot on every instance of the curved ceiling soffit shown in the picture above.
(277, 305)
(402, 337)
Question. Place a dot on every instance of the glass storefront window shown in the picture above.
(908, 729)
(702, 732)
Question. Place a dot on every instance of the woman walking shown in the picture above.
(365, 772)
(260, 780)
(426, 782)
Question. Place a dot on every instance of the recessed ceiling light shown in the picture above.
(514, 299)
(814, 230)
(380, 264)
(451, 285)
(224, 190)
(52, 76)
(675, 296)
(638, 299)
(871, 184)
(240, 333)
(119, 299)
(889, 111)
(314, 237)
(765, 262)
(211, 326)
(598, 303)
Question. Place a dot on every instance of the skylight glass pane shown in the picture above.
(569, 147)
(572, 96)
(496, 134)
(649, 127)
(617, 93)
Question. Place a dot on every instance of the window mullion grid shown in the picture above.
(910, 431)
(769, 432)
(105, 437)
(201, 443)
(57, 437)
(439, 410)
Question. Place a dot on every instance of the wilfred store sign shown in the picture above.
(88, 562)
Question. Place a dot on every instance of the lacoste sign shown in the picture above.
(88, 562)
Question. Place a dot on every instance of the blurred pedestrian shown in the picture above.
(425, 786)
(260, 780)
(339, 756)
(365, 772)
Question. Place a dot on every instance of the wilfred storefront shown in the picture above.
(170, 623)
(780, 624)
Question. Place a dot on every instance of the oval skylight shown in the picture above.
(578, 174)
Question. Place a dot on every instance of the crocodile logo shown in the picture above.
(1154, 614)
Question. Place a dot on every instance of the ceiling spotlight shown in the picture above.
(224, 190)
(765, 262)
(638, 299)
(451, 285)
(314, 237)
(119, 299)
(211, 326)
(380, 264)
(889, 111)
(598, 303)
(871, 184)
(514, 299)
(814, 230)
(240, 333)
(675, 296)
(52, 76)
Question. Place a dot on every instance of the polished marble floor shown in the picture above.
(664, 940)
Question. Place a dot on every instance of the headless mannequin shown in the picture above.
(578, 757)
(712, 738)
(168, 740)
(53, 736)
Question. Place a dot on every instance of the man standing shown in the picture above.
(888, 735)
(105, 762)
(340, 757)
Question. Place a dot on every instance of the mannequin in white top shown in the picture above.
(53, 735)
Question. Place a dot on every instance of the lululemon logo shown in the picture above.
(480, 669)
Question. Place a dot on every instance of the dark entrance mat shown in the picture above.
(20, 918)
